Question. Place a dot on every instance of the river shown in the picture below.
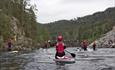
(101, 59)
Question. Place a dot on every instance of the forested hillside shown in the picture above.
(18, 22)
(90, 27)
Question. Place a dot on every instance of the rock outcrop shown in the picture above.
(19, 40)
(108, 40)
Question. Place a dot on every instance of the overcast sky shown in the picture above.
(53, 10)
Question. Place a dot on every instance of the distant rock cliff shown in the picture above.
(108, 40)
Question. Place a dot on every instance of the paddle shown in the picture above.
(72, 54)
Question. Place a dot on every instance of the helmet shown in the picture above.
(60, 38)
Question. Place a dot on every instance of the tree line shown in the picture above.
(90, 27)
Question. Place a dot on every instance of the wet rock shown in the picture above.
(19, 40)
(108, 40)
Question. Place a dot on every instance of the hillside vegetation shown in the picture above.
(90, 27)
(18, 21)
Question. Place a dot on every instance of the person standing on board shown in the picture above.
(94, 45)
(9, 44)
(60, 46)
(85, 44)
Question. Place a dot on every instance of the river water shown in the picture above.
(101, 59)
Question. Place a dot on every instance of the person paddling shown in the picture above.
(85, 44)
(9, 44)
(60, 46)
(94, 45)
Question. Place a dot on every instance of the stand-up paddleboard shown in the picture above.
(65, 60)
(13, 51)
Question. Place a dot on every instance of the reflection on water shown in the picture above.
(102, 59)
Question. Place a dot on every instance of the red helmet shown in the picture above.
(60, 38)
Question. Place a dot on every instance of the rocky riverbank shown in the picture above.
(19, 39)
(108, 40)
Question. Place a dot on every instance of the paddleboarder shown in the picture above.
(9, 44)
(85, 44)
(94, 45)
(60, 46)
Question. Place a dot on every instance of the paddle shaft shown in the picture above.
(67, 51)
(72, 54)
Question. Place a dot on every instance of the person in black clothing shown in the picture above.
(94, 46)
(9, 44)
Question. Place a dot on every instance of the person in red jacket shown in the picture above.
(85, 44)
(60, 46)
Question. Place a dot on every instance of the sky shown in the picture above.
(54, 10)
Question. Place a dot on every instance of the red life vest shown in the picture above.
(94, 44)
(60, 47)
(85, 44)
